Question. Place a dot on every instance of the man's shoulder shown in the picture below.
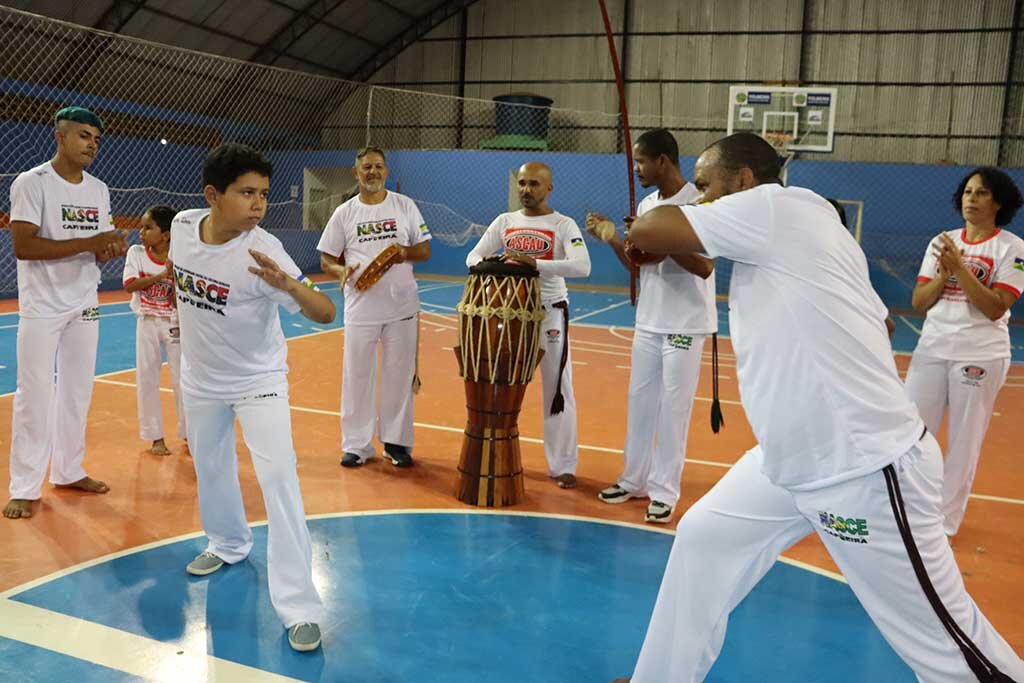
(40, 173)
(94, 182)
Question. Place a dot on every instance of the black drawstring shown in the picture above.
(717, 420)
(558, 402)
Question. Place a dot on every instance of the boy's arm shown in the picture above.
(313, 303)
(135, 284)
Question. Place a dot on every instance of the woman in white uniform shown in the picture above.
(969, 279)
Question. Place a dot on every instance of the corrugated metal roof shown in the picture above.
(333, 37)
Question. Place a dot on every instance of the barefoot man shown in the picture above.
(61, 228)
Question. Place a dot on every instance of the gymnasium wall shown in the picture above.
(920, 82)
(904, 204)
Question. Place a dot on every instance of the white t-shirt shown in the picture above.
(553, 239)
(672, 299)
(957, 330)
(231, 339)
(62, 211)
(362, 231)
(816, 370)
(156, 299)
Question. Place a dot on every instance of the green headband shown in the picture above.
(79, 115)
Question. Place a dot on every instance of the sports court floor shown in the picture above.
(419, 587)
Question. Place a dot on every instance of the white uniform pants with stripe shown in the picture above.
(360, 416)
(267, 430)
(560, 440)
(969, 390)
(153, 335)
(731, 537)
(49, 418)
(663, 379)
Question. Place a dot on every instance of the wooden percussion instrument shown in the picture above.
(500, 321)
(375, 270)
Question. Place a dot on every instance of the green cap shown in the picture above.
(79, 115)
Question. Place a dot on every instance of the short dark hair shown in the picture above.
(840, 209)
(370, 150)
(226, 163)
(162, 215)
(1004, 192)
(658, 141)
(747, 150)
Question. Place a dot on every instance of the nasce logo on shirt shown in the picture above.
(200, 291)
(80, 217)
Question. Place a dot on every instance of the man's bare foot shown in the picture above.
(18, 508)
(566, 481)
(87, 484)
(159, 448)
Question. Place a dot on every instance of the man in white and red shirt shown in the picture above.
(968, 281)
(385, 315)
(60, 227)
(675, 313)
(539, 236)
(149, 276)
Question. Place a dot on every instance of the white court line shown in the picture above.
(528, 439)
(600, 310)
(431, 288)
(116, 649)
(105, 315)
(911, 326)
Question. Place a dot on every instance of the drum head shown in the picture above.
(497, 266)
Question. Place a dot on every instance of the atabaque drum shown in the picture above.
(499, 347)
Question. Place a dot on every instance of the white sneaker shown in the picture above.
(659, 513)
(615, 494)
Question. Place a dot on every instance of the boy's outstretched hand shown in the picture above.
(268, 271)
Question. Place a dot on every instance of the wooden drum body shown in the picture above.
(499, 347)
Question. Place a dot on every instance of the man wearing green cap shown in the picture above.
(61, 226)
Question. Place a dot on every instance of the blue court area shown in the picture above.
(117, 325)
(456, 597)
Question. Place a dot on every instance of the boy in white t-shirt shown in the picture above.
(539, 236)
(231, 276)
(841, 449)
(383, 316)
(149, 276)
(675, 312)
(60, 227)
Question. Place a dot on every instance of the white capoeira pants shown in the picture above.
(663, 376)
(49, 418)
(731, 537)
(969, 390)
(560, 441)
(267, 430)
(153, 335)
(360, 416)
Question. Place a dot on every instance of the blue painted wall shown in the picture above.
(904, 204)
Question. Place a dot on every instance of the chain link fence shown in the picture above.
(165, 107)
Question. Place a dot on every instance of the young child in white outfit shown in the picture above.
(149, 276)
